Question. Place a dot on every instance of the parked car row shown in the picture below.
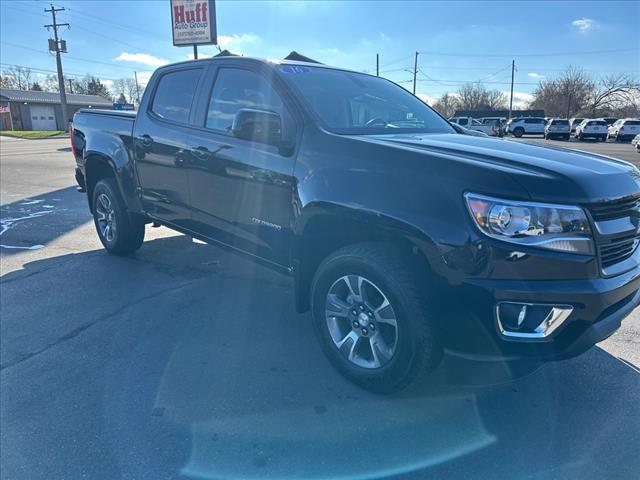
(600, 129)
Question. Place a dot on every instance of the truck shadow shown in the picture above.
(31, 223)
(192, 363)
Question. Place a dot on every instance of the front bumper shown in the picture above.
(599, 306)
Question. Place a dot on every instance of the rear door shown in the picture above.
(242, 192)
(534, 125)
(160, 139)
(631, 128)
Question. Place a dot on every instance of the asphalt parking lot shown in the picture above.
(184, 361)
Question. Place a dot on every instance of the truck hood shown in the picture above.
(551, 174)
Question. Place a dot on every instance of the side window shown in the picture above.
(528, 120)
(463, 121)
(174, 95)
(234, 89)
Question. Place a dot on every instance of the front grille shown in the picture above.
(615, 248)
(624, 207)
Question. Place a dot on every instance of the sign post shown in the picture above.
(193, 22)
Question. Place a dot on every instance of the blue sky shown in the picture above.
(458, 41)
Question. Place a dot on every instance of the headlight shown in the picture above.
(562, 228)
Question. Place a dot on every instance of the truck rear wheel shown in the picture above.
(372, 319)
(119, 232)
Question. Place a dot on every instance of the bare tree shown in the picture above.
(35, 86)
(50, 83)
(474, 96)
(446, 105)
(566, 95)
(126, 86)
(613, 93)
(18, 78)
(5, 82)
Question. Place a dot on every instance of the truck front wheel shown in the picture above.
(372, 318)
(119, 232)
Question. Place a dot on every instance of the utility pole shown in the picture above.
(513, 69)
(135, 75)
(63, 95)
(70, 85)
(415, 72)
(377, 65)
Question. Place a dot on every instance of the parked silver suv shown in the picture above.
(557, 128)
(526, 126)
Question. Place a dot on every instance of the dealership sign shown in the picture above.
(193, 22)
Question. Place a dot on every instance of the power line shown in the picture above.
(121, 26)
(77, 59)
(66, 74)
(558, 54)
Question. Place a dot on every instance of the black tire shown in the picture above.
(518, 132)
(417, 348)
(127, 231)
(580, 137)
(566, 138)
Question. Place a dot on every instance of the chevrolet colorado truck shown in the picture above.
(405, 238)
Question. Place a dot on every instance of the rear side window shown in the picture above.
(174, 95)
(561, 122)
(597, 123)
(234, 89)
(632, 122)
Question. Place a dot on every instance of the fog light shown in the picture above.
(530, 320)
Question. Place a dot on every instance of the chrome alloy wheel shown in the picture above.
(361, 321)
(106, 217)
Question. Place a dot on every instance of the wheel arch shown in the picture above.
(97, 167)
(323, 228)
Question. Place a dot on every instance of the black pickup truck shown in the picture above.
(404, 237)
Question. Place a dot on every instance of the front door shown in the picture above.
(160, 141)
(242, 192)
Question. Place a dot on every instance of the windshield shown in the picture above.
(355, 103)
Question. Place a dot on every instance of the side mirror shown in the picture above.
(258, 126)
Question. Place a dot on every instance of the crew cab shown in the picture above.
(403, 237)
(624, 129)
(472, 124)
(590, 128)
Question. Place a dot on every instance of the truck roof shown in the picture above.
(266, 61)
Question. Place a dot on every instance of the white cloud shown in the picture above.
(584, 24)
(425, 98)
(535, 75)
(143, 77)
(238, 43)
(520, 99)
(200, 55)
(107, 83)
(143, 58)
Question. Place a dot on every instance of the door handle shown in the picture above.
(145, 140)
(201, 153)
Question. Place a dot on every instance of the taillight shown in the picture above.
(73, 144)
